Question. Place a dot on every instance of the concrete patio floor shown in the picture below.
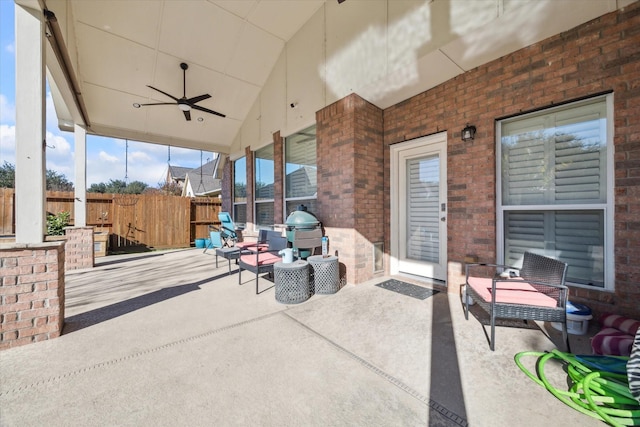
(165, 338)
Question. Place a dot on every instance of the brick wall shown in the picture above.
(31, 293)
(278, 177)
(600, 56)
(250, 181)
(350, 160)
(79, 251)
(227, 185)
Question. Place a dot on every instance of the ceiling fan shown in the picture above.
(184, 104)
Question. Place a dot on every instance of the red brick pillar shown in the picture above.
(250, 182)
(350, 158)
(31, 292)
(278, 176)
(227, 186)
(79, 251)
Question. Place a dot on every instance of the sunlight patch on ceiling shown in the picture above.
(365, 59)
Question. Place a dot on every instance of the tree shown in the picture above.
(135, 187)
(54, 180)
(170, 188)
(58, 182)
(7, 175)
(97, 188)
(118, 186)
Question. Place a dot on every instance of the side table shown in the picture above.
(291, 282)
(325, 273)
(227, 253)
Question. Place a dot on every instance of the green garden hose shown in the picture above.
(597, 393)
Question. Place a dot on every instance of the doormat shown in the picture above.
(408, 289)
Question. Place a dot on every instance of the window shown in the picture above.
(300, 186)
(264, 180)
(555, 195)
(240, 192)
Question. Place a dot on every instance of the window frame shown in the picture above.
(257, 202)
(286, 199)
(607, 207)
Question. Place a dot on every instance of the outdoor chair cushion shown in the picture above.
(512, 291)
(262, 258)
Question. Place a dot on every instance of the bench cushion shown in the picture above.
(513, 291)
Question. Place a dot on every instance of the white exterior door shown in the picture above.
(418, 207)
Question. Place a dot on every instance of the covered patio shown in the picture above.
(167, 339)
(387, 86)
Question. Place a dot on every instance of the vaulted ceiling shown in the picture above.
(116, 49)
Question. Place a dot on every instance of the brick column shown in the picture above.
(227, 186)
(31, 292)
(79, 251)
(351, 182)
(250, 177)
(278, 175)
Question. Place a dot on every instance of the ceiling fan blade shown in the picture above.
(187, 115)
(198, 98)
(159, 103)
(206, 110)
(164, 93)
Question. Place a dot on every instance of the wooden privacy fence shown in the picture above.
(132, 221)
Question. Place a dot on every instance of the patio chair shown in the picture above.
(227, 229)
(262, 240)
(259, 259)
(538, 292)
(215, 240)
(307, 241)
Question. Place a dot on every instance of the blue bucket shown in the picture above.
(200, 243)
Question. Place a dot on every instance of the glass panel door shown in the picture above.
(419, 213)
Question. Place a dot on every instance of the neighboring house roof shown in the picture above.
(177, 173)
(200, 181)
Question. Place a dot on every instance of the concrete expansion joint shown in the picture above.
(455, 418)
(114, 362)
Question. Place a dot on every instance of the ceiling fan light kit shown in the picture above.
(184, 104)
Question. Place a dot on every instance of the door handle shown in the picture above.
(443, 219)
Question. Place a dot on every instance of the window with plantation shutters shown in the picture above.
(554, 196)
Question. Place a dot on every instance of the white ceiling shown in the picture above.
(117, 48)
(123, 46)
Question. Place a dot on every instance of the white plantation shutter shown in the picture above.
(423, 198)
(548, 160)
(555, 158)
(575, 237)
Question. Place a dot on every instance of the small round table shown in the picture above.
(326, 274)
(291, 282)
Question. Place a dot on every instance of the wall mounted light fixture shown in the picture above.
(468, 133)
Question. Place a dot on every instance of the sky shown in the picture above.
(107, 158)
